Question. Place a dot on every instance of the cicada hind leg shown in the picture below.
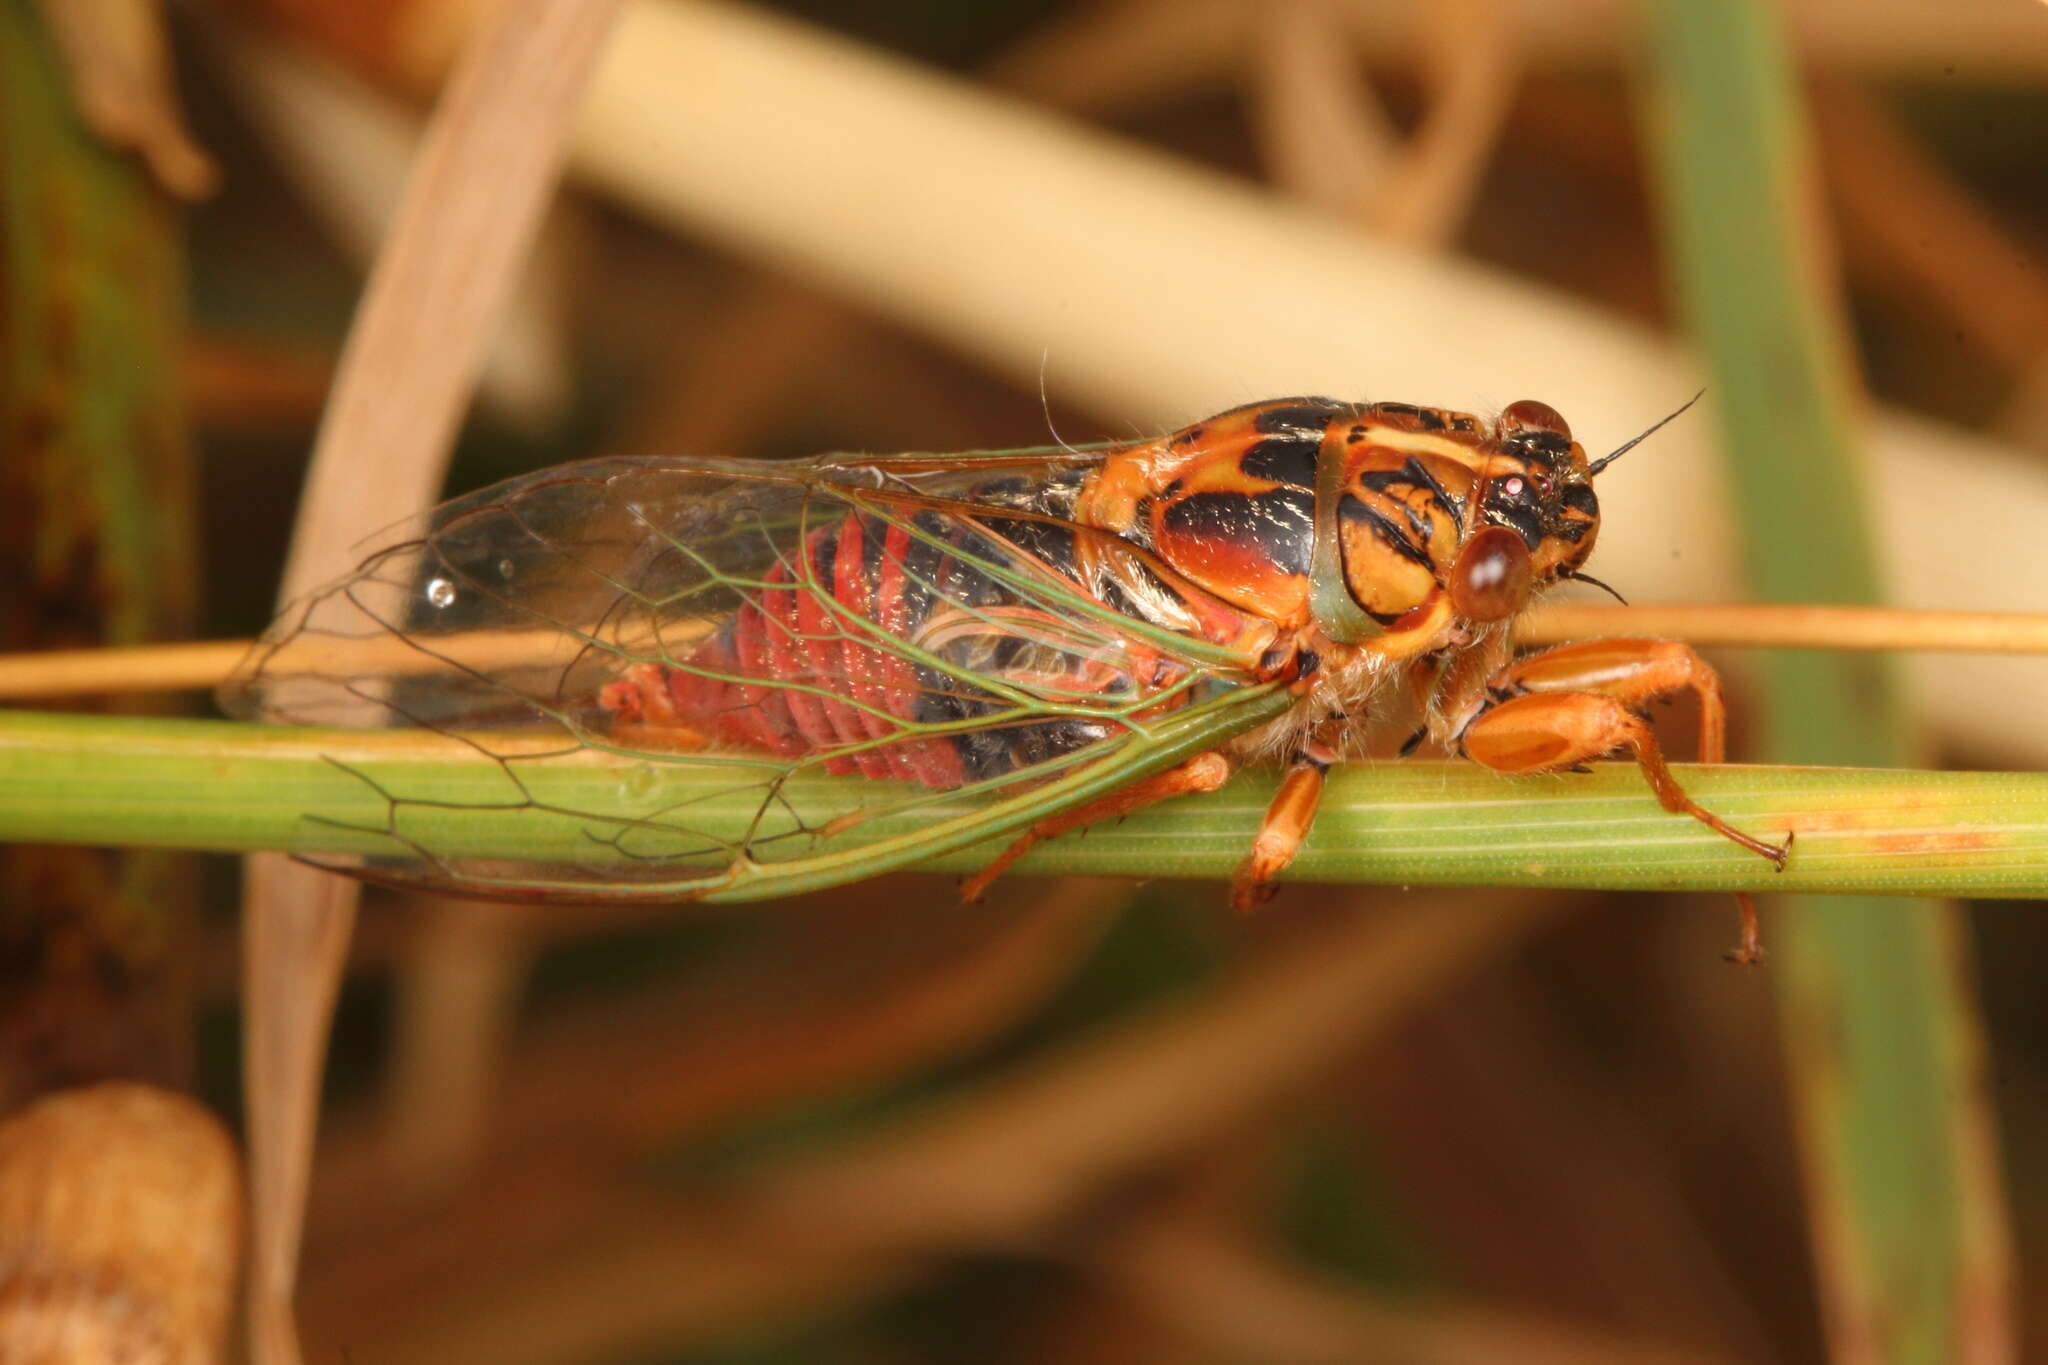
(1280, 836)
(1564, 706)
(1202, 773)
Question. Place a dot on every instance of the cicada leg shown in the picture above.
(1564, 706)
(1287, 822)
(1202, 773)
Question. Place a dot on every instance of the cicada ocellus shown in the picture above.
(821, 656)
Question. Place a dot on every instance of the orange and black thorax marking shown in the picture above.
(1348, 516)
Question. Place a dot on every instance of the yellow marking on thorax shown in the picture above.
(1472, 457)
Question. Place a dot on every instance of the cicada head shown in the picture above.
(1537, 515)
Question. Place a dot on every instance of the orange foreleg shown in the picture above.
(1288, 818)
(1280, 835)
(1632, 672)
(1581, 702)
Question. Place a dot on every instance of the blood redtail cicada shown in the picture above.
(1072, 633)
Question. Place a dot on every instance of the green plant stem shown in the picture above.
(234, 788)
(1878, 1021)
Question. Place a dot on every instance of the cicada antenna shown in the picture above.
(1626, 446)
(1045, 355)
(1577, 577)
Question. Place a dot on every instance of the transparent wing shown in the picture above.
(672, 678)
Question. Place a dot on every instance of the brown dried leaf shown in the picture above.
(484, 174)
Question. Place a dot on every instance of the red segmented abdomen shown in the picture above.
(825, 684)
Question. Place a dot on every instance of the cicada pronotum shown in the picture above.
(1072, 633)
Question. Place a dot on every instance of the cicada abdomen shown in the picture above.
(932, 641)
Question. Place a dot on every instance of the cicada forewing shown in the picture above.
(673, 678)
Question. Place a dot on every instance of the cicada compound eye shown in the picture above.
(1492, 578)
(1531, 415)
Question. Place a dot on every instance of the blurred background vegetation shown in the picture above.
(1093, 1122)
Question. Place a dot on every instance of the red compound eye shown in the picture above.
(1492, 578)
(1531, 415)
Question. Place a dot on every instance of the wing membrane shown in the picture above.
(772, 675)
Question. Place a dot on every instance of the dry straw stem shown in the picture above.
(1323, 135)
(485, 172)
(1473, 63)
(995, 1167)
(349, 148)
(1125, 53)
(1329, 143)
(1790, 627)
(1163, 291)
(52, 674)
(120, 1225)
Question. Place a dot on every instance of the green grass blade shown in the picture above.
(1878, 1020)
(234, 788)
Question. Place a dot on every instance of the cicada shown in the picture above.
(808, 668)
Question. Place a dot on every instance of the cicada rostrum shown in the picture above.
(824, 654)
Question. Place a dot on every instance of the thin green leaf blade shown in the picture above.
(1878, 1019)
